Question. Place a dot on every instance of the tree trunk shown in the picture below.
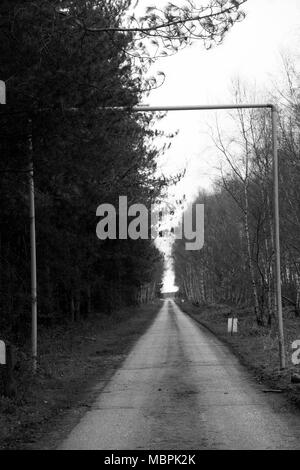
(257, 311)
(72, 308)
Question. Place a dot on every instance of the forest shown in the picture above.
(66, 65)
(81, 158)
(97, 354)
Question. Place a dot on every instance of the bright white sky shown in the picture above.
(251, 51)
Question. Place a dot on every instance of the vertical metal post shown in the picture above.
(32, 254)
(277, 236)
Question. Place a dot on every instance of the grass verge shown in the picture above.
(72, 360)
(256, 347)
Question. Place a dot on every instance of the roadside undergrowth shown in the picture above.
(256, 346)
(72, 358)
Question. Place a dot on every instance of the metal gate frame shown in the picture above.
(274, 115)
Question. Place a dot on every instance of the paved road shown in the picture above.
(180, 388)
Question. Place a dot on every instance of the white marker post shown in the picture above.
(296, 354)
(2, 353)
(232, 325)
(2, 92)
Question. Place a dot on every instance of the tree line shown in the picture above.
(58, 79)
(236, 264)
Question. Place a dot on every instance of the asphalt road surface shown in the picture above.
(181, 388)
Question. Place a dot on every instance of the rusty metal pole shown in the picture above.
(277, 237)
(32, 254)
